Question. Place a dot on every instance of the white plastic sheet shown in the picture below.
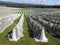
(17, 32)
(7, 21)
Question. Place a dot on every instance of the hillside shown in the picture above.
(26, 5)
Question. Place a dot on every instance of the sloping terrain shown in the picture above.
(28, 34)
(49, 18)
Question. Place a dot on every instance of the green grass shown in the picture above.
(52, 40)
(27, 39)
(3, 36)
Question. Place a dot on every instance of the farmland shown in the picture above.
(49, 18)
